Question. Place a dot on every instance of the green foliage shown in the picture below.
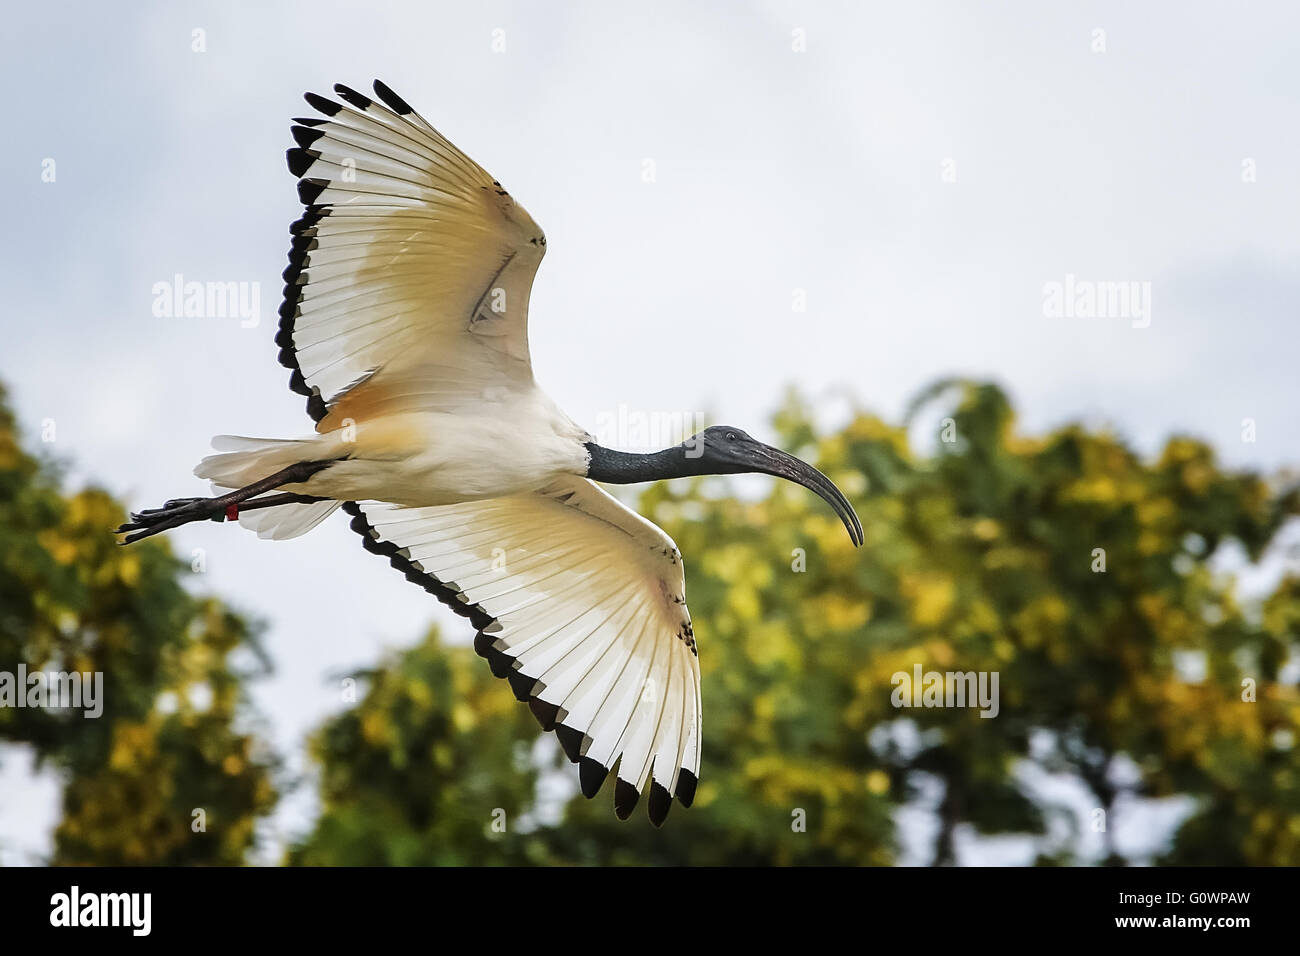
(71, 599)
(431, 767)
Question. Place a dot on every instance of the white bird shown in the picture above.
(405, 322)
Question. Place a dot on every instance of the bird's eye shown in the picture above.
(731, 436)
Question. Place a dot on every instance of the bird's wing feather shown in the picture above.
(410, 271)
(580, 603)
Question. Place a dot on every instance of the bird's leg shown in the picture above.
(181, 511)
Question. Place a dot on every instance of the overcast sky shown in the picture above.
(915, 174)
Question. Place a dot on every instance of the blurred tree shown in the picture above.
(1083, 576)
(432, 766)
(163, 775)
(1089, 580)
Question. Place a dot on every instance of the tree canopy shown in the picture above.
(164, 774)
(1087, 578)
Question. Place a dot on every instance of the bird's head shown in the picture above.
(727, 450)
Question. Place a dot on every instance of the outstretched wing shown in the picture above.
(579, 603)
(411, 268)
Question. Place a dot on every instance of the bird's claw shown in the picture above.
(172, 514)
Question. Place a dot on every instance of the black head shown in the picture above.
(722, 450)
(726, 450)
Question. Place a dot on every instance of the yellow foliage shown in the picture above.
(374, 728)
(844, 612)
(931, 595)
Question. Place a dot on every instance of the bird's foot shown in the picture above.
(172, 514)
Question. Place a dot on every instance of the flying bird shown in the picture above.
(405, 325)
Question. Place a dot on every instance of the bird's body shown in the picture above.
(511, 443)
(437, 458)
(405, 324)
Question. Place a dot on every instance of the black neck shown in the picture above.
(626, 467)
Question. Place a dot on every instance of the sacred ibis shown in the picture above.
(405, 324)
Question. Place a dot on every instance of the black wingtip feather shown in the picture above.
(298, 384)
(305, 225)
(521, 684)
(316, 406)
(304, 136)
(349, 95)
(686, 782)
(309, 190)
(391, 99)
(482, 642)
(300, 160)
(591, 775)
(318, 102)
(626, 796)
(500, 663)
(661, 801)
(547, 714)
(571, 741)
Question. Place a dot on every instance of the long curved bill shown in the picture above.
(782, 465)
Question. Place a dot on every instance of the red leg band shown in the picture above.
(232, 512)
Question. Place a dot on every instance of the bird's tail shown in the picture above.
(242, 461)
